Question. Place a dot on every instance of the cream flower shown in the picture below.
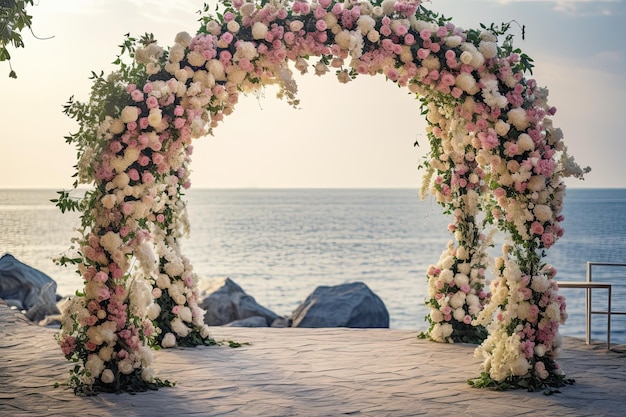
(183, 39)
(518, 118)
(232, 26)
(542, 212)
(169, 340)
(365, 24)
(259, 30)
(107, 376)
(129, 114)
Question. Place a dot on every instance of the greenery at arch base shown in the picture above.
(495, 162)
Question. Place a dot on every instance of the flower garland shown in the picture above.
(493, 160)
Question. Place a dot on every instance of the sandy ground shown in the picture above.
(306, 372)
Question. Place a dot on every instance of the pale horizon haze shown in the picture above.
(357, 135)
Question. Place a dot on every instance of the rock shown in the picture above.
(347, 305)
(226, 302)
(281, 322)
(54, 320)
(29, 288)
(256, 321)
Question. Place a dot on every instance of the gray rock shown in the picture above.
(281, 322)
(256, 321)
(226, 302)
(28, 288)
(347, 305)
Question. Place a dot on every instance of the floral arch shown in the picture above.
(495, 159)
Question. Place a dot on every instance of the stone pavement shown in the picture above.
(305, 372)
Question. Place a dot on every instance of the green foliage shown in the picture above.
(529, 382)
(506, 48)
(13, 20)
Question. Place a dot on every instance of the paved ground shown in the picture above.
(306, 372)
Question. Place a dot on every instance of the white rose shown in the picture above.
(457, 300)
(196, 59)
(107, 376)
(540, 283)
(537, 183)
(179, 327)
(466, 57)
(153, 311)
(520, 367)
(540, 350)
(232, 26)
(213, 28)
(446, 276)
(177, 53)
(467, 83)
(517, 117)
(453, 41)
(458, 314)
(183, 39)
(436, 316)
(373, 36)
(259, 30)
(204, 332)
(147, 374)
(296, 26)
(342, 39)
(116, 127)
(125, 366)
(247, 9)
(461, 279)
(94, 365)
(129, 114)
(169, 340)
(365, 24)
(542, 212)
(488, 49)
(155, 118)
(216, 68)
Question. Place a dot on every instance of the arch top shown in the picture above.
(494, 158)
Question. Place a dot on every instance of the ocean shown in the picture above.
(280, 244)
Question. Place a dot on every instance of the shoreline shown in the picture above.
(305, 372)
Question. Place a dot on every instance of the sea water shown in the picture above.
(280, 244)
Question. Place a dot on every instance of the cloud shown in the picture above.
(574, 7)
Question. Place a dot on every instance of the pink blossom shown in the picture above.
(147, 177)
(536, 228)
(136, 95)
(143, 123)
(68, 345)
(152, 102)
(423, 53)
(547, 239)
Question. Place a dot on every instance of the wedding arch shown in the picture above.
(495, 159)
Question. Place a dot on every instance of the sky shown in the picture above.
(355, 135)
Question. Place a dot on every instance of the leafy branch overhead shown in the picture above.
(13, 20)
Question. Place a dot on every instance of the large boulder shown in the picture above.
(27, 288)
(347, 305)
(225, 302)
